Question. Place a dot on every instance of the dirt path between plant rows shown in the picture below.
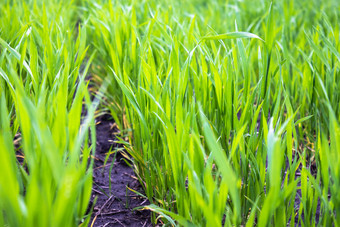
(114, 207)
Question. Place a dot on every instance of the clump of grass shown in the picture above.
(41, 96)
(198, 95)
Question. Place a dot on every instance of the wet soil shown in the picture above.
(115, 205)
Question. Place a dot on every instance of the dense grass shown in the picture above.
(231, 109)
(225, 128)
(41, 97)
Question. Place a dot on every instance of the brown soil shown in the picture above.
(115, 207)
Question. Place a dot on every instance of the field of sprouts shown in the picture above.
(169, 113)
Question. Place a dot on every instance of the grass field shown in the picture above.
(229, 109)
